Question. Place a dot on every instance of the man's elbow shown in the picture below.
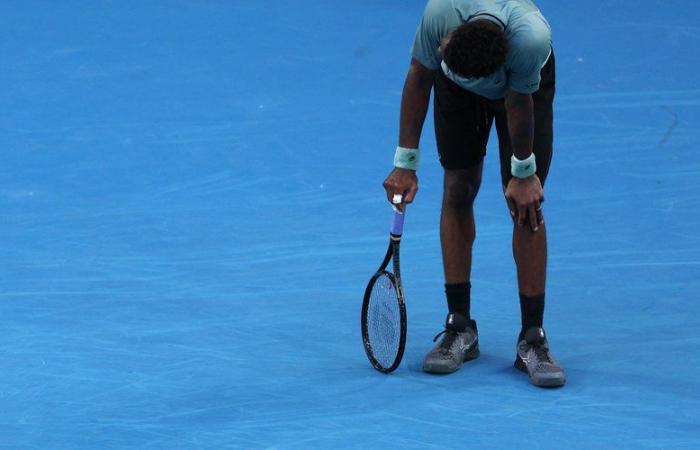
(518, 100)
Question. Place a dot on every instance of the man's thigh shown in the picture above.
(462, 124)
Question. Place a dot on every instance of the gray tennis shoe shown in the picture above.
(460, 343)
(534, 359)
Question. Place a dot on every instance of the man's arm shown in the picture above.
(523, 195)
(521, 123)
(414, 103)
(414, 106)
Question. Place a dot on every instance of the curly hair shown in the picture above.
(476, 49)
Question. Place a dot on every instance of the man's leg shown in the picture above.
(530, 254)
(457, 234)
(457, 228)
(462, 125)
(530, 247)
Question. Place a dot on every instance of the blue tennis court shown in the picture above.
(191, 206)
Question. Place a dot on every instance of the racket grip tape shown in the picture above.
(397, 223)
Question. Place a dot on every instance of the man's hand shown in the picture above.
(524, 197)
(403, 182)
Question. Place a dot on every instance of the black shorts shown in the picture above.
(463, 122)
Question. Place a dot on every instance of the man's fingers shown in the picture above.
(390, 195)
(410, 194)
(511, 206)
(522, 215)
(538, 210)
(398, 201)
(393, 191)
(389, 190)
(532, 217)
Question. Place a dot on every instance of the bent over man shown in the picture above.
(488, 61)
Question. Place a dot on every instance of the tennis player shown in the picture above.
(488, 61)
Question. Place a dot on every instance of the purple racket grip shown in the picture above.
(397, 223)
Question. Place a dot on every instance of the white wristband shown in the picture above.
(407, 158)
(523, 168)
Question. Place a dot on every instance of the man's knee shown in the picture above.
(461, 188)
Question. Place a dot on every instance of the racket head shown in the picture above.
(384, 322)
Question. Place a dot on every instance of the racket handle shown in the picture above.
(397, 222)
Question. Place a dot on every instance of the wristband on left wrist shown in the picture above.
(523, 168)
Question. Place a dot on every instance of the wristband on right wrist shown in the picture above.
(523, 168)
(407, 158)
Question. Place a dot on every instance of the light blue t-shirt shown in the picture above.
(529, 42)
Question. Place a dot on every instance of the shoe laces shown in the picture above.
(542, 353)
(446, 344)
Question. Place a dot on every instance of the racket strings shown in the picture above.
(384, 322)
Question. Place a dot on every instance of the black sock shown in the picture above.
(531, 312)
(459, 298)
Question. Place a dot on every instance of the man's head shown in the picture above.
(475, 49)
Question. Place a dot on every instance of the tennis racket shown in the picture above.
(383, 307)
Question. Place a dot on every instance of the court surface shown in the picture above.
(191, 205)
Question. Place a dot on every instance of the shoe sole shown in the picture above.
(542, 382)
(434, 368)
